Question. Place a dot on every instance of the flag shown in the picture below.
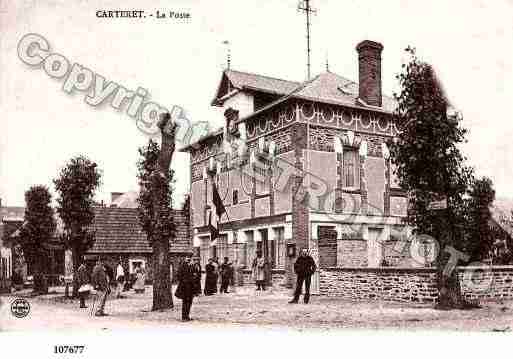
(218, 202)
(214, 231)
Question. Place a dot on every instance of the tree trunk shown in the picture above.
(40, 282)
(449, 289)
(162, 295)
(75, 258)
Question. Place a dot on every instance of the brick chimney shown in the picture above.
(369, 72)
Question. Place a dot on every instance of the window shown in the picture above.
(204, 250)
(221, 248)
(351, 168)
(279, 244)
(235, 196)
(250, 247)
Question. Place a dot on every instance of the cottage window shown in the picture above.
(351, 168)
(279, 245)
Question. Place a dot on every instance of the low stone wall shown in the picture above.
(391, 284)
(413, 284)
(486, 283)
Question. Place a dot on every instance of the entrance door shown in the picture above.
(267, 254)
(375, 247)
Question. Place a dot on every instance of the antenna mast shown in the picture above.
(304, 6)
(228, 54)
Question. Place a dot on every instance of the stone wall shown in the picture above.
(487, 283)
(390, 284)
(413, 284)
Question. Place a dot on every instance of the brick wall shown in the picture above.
(414, 284)
(351, 253)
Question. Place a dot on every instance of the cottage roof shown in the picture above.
(117, 230)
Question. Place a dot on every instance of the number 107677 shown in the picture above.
(68, 349)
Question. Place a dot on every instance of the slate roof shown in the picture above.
(249, 81)
(327, 87)
(118, 231)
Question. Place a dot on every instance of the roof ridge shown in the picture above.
(260, 75)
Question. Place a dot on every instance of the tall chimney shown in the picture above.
(369, 72)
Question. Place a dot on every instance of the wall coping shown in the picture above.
(378, 270)
(508, 268)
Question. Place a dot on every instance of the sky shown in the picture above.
(179, 62)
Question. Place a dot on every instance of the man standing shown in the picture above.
(120, 278)
(101, 284)
(210, 278)
(186, 287)
(304, 268)
(82, 280)
(197, 272)
(226, 275)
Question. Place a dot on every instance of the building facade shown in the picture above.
(295, 160)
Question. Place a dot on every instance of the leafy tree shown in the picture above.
(430, 166)
(37, 230)
(481, 236)
(76, 185)
(155, 208)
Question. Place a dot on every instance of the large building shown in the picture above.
(295, 159)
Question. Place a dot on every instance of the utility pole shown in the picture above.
(304, 6)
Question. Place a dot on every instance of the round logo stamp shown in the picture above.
(20, 308)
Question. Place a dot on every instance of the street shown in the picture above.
(249, 308)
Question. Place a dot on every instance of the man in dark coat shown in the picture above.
(210, 278)
(186, 287)
(304, 268)
(197, 272)
(226, 275)
(100, 282)
(82, 280)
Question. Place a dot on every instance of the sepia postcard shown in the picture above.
(191, 176)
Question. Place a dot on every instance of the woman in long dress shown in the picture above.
(210, 278)
(139, 280)
(259, 271)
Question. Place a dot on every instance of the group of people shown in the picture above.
(102, 279)
(213, 270)
(189, 280)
